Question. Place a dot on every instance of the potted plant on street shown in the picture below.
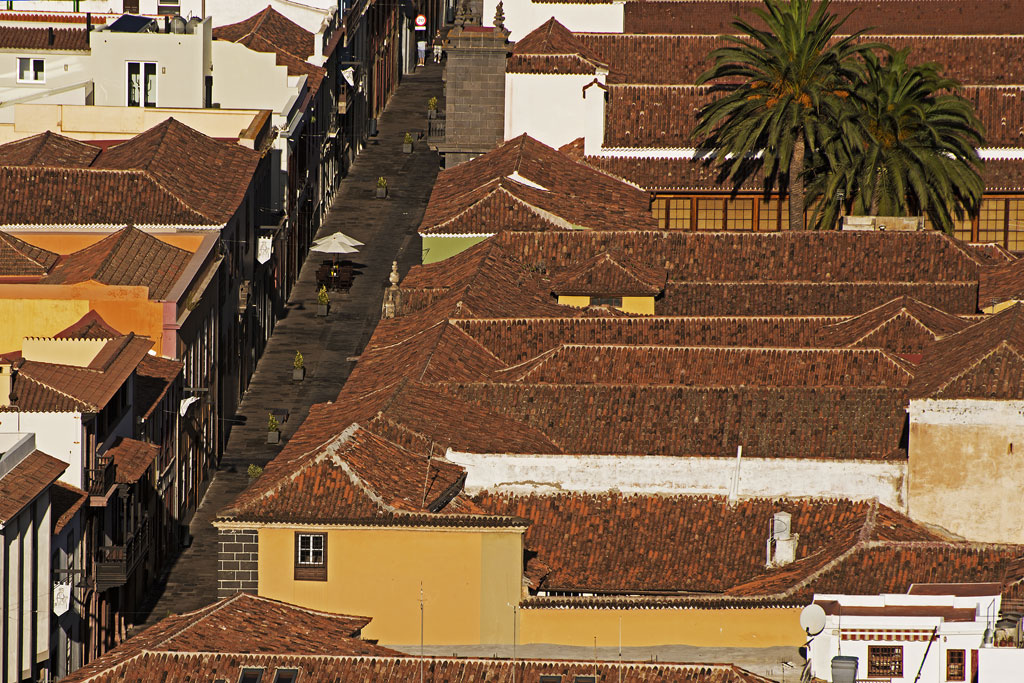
(322, 302)
(407, 143)
(382, 188)
(298, 369)
(273, 429)
(432, 108)
(254, 472)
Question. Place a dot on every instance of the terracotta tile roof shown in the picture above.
(242, 624)
(687, 175)
(809, 298)
(117, 197)
(219, 172)
(153, 378)
(680, 59)
(25, 481)
(273, 27)
(1001, 282)
(991, 254)
(21, 259)
(870, 568)
(517, 340)
(910, 17)
(39, 39)
(526, 181)
(405, 669)
(714, 367)
(481, 281)
(139, 181)
(985, 360)
(90, 326)
(425, 419)
(769, 422)
(903, 325)
(47, 387)
(611, 543)
(356, 477)
(128, 257)
(30, 395)
(132, 458)
(48, 149)
(66, 500)
(664, 115)
(271, 31)
(610, 274)
(733, 257)
(552, 48)
(415, 347)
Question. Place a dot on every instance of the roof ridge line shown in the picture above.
(212, 608)
(56, 390)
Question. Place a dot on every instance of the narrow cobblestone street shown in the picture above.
(388, 229)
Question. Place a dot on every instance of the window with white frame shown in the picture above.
(310, 557)
(141, 84)
(31, 70)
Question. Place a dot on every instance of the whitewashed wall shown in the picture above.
(62, 70)
(57, 434)
(549, 108)
(758, 477)
(522, 16)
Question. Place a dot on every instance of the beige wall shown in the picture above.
(966, 470)
(637, 305)
(112, 123)
(181, 65)
(469, 580)
(653, 627)
(245, 79)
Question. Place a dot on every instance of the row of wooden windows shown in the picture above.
(886, 661)
(1000, 219)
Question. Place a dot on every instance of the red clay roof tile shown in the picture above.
(43, 39)
(132, 458)
(29, 478)
(21, 259)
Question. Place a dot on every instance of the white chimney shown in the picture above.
(782, 541)
(6, 381)
(595, 96)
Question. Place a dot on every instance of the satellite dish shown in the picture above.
(812, 619)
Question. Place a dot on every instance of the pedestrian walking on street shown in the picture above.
(421, 52)
(437, 47)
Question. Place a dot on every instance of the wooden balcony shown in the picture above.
(100, 480)
(436, 128)
(115, 563)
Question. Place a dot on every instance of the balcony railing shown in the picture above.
(100, 479)
(435, 128)
(115, 563)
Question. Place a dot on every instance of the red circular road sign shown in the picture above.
(421, 20)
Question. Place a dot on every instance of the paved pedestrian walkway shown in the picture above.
(388, 228)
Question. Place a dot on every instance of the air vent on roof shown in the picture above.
(551, 678)
(781, 540)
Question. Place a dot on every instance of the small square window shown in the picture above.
(885, 661)
(31, 70)
(250, 675)
(286, 675)
(310, 557)
(956, 665)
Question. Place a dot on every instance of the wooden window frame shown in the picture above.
(310, 572)
(962, 664)
(889, 656)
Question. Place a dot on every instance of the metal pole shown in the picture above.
(421, 632)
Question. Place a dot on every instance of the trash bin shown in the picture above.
(844, 669)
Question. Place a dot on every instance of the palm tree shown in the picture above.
(914, 149)
(786, 88)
